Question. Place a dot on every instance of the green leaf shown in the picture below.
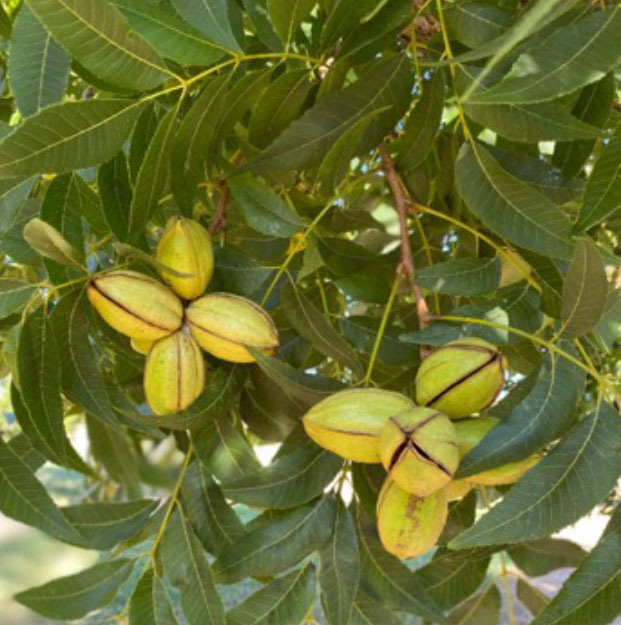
(475, 24)
(482, 609)
(171, 37)
(238, 273)
(90, 206)
(510, 207)
(344, 17)
(152, 176)
(525, 123)
(592, 107)
(573, 56)
(149, 602)
(531, 597)
(564, 486)
(368, 612)
(279, 105)
(344, 257)
(61, 210)
(519, 308)
(112, 447)
(224, 449)
(539, 557)
(13, 194)
(214, 521)
(24, 499)
(269, 413)
(106, 524)
(14, 295)
(38, 67)
(592, 593)
(542, 416)
(192, 143)
(243, 96)
(37, 404)
(461, 276)
(453, 576)
(141, 137)
(97, 36)
(6, 26)
(307, 140)
(211, 17)
(116, 194)
(388, 580)
(286, 600)
(287, 15)
(48, 242)
(609, 327)
(295, 383)
(339, 568)
(310, 323)
(279, 544)
(602, 195)
(585, 290)
(377, 29)
(551, 280)
(547, 121)
(68, 136)
(290, 480)
(540, 174)
(362, 333)
(186, 565)
(337, 162)
(22, 448)
(257, 12)
(81, 378)
(422, 124)
(536, 19)
(76, 595)
(262, 208)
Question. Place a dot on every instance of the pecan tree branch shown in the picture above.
(406, 268)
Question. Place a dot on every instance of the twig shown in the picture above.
(406, 268)
(218, 223)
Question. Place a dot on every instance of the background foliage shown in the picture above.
(370, 171)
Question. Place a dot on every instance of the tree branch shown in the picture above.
(406, 268)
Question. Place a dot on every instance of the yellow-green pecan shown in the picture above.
(470, 432)
(409, 525)
(419, 450)
(185, 246)
(349, 422)
(141, 346)
(224, 324)
(174, 374)
(135, 304)
(460, 378)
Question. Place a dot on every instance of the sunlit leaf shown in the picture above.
(96, 34)
(38, 66)
(566, 484)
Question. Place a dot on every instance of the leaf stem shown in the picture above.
(499, 249)
(382, 329)
(162, 528)
(295, 249)
(449, 55)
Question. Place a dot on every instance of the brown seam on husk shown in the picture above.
(93, 283)
(493, 358)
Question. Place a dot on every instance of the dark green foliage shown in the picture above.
(319, 141)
